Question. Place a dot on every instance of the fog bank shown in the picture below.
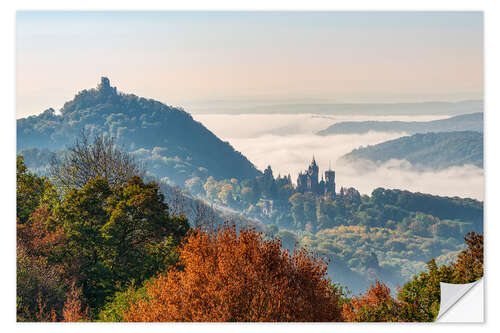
(252, 125)
(287, 143)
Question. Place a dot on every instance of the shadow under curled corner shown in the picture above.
(462, 302)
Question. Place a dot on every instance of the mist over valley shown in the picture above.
(288, 142)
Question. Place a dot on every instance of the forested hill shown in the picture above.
(166, 138)
(430, 150)
(465, 122)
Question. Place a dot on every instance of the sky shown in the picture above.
(194, 59)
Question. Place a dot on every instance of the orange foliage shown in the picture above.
(43, 315)
(231, 276)
(37, 271)
(72, 310)
(376, 305)
(469, 265)
(36, 236)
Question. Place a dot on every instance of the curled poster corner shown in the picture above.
(468, 309)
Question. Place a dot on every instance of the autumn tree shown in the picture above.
(41, 281)
(117, 234)
(469, 265)
(239, 276)
(73, 309)
(101, 237)
(376, 305)
(40, 287)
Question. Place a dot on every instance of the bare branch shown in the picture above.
(87, 160)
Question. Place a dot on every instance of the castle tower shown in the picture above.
(302, 182)
(308, 181)
(321, 186)
(313, 173)
(330, 184)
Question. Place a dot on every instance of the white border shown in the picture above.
(7, 123)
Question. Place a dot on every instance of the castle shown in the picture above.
(308, 181)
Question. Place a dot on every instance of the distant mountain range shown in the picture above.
(466, 122)
(427, 151)
(384, 109)
(167, 139)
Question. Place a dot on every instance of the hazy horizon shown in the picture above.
(219, 66)
(200, 59)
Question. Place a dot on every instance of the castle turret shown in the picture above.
(313, 173)
(330, 184)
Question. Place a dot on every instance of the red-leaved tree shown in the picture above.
(240, 277)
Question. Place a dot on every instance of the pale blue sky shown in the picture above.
(195, 58)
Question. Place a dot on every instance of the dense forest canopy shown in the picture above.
(116, 253)
(97, 239)
(166, 138)
(111, 250)
(427, 151)
(388, 235)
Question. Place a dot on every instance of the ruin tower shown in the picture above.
(105, 88)
(104, 83)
